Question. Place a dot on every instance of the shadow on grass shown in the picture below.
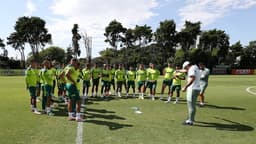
(223, 107)
(111, 125)
(232, 126)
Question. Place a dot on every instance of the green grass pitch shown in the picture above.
(228, 118)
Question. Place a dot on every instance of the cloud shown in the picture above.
(31, 7)
(208, 11)
(93, 16)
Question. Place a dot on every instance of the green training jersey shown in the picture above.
(141, 75)
(131, 75)
(120, 75)
(113, 71)
(106, 75)
(178, 76)
(153, 74)
(37, 71)
(47, 77)
(74, 74)
(60, 75)
(96, 73)
(31, 77)
(54, 72)
(168, 73)
(86, 74)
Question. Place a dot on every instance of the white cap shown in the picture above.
(186, 63)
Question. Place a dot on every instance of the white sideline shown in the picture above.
(249, 90)
(79, 134)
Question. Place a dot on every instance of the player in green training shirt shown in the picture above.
(72, 75)
(168, 76)
(141, 76)
(47, 82)
(86, 76)
(176, 84)
(120, 79)
(113, 70)
(105, 80)
(152, 75)
(130, 77)
(31, 79)
(95, 72)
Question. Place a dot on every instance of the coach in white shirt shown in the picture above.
(193, 89)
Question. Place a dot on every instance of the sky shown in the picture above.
(235, 17)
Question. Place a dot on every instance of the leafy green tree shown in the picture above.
(166, 38)
(114, 34)
(215, 41)
(32, 30)
(18, 43)
(142, 35)
(51, 53)
(187, 36)
(2, 45)
(248, 59)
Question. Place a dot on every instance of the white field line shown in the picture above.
(79, 134)
(249, 90)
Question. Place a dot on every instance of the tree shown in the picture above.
(51, 53)
(236, 50)
(2, 45)
(114, 34)
(18, 43)
(248, 59)
(187, 36)
(215, 40)
(142, 35)
(32, 30)
(166, 38)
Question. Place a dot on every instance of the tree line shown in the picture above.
(140, 44)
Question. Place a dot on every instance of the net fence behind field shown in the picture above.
(12, 72)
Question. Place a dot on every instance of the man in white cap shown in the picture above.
(193, 89)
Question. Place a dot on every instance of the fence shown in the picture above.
(12, 72)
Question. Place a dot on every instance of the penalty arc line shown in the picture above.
(79, 135)
(249, 90)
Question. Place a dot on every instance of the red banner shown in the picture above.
(242, 71)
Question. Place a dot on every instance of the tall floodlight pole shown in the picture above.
(88, 46)
(75, 41)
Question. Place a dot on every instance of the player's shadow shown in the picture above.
(231, 126)
(101, 113)
(60, 111)
(111, 125)
(93, 114)
(223, 107)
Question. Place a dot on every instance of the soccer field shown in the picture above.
(228, 118)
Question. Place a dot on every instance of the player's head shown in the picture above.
(46, 64)
(201, 65)
(141, 66)
(33, 64)
(177, 67)
(74, 62)
(169, 64)
(186, 65)
(87, 65)
(131, 68)
(120, 66)
(105, 66)
(152, 66)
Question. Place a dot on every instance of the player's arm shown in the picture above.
(26, 79)
(191, 79)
